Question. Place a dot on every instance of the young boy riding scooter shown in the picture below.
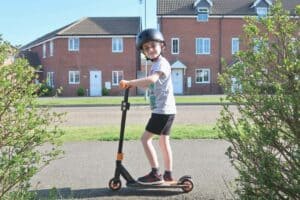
(162, 103)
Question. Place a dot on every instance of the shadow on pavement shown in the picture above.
(66, 193)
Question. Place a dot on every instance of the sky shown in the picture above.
(22, 21)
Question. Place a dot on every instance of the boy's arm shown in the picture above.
(143, 82)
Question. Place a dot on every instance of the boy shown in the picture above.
(162, 103)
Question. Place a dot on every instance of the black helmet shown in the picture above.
(148, 35)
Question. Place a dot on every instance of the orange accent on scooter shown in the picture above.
(120, 156)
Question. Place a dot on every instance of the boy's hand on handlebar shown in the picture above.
(124, 84)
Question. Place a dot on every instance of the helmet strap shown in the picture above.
(154, 59)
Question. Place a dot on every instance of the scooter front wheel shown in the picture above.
(188, 185)
(115, 184)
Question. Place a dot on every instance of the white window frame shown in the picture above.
(256, 44)
(203, 49)
(173, 48)
(72, 77)
(262, 11)
(259, 43)
(293, 41)
(235, 45)
(117, 44)
(50, 79)
(203, 14)
(44, 50)
(73, 44)
(51, 48)
(196, 75)
(119, 76)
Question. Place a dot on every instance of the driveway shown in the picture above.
(86, 168)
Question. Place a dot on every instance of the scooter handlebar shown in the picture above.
(124, 84)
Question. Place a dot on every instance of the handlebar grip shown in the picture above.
(123, 84)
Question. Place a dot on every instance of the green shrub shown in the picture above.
(80, 91)
(105, 91)
(265, 137)
(45, 90)
(24, 128)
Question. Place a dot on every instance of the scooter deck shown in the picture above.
(173, 184)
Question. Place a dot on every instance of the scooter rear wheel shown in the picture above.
(188, 185)
(114, 184)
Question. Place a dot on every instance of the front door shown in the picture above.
(95, 83)
(177, 80)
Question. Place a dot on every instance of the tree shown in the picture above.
(27, 133)
(265, 136)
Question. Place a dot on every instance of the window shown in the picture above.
(261, 11)
(259, 44)
(202, 76)
(235, 85)
(74, 44)
(117, 45)
(256, 45)
(44, 50)
(51, 45)
(74, 77)
(175, 45)
(202, 15)
(293, 45)
(203, 46)
(50, 79)
(235, 45)
(117, 76)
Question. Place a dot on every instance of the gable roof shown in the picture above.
(93, 26)
(178, 65)
(258, 1)
(220, 7)
(198, 1)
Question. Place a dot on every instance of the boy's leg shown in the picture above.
(164, 143)
(153, 177)
(149, 149)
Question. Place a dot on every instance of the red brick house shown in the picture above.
(199, 33)
(96, 53)
(93, 53)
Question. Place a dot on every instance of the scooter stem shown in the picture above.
(124, 107)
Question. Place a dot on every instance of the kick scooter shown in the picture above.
(185, 182)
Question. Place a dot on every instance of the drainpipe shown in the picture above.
(220, 47)
(160, 23)
(138, 56)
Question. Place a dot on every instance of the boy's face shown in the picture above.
(152, 49)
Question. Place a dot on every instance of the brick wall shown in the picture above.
(219, 30)
(94, 54)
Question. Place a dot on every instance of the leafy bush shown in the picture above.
(80, 91)
(265, 137)
(105, 91)
(45, 90)
(24, 130)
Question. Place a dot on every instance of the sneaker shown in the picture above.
(150, 179)
(168, 178)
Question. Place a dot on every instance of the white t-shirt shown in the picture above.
(161, 94)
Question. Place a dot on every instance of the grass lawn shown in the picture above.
(116, 100)
(133, 132)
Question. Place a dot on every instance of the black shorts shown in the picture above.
(160, 124)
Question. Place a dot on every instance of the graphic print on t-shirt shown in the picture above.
(152, 97)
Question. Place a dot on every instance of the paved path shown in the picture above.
(86, 168)
(97, 116)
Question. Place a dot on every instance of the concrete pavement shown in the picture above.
(85, 169)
